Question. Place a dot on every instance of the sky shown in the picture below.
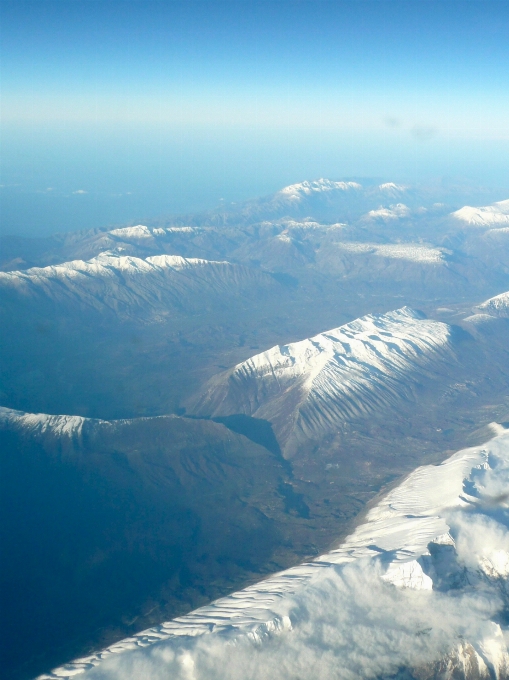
(115, 111)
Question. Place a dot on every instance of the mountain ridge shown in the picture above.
(312, 386)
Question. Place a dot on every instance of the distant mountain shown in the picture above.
(399, 235)
(321, 199)
(497, 306)
(309, 388)
(131, 287)
(418, 590)
(491, 318)
(496, 215)
(331, 200)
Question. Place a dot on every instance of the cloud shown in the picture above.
(348, 624)
(80, 191)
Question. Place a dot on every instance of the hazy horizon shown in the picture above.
(118, 111)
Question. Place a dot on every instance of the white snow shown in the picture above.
(378, 602)
(487, 216)
(105, 266)
(502, 232)
(393, 212)
(181, 230)
(132, 286)
(413, 252)
(61, 426)
(296, 192)
(497, 306)
(140, 231)
(391, 187)
(312, 226)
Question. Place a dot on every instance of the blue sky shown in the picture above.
(148, 107)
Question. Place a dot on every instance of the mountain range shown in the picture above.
(193, 404)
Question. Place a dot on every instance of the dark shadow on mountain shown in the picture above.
(257, 430)
(294, 502)
(285, 279)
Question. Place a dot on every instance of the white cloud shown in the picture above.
(348, 624)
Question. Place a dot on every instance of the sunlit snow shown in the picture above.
(487, 216)
(344, 373)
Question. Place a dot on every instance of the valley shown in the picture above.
(191, 406)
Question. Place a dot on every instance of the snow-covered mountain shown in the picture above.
(297, 192)
(309, 388)
(131, 287)
(496, 215)
(41, 425)
(322, 199)
(395, 266)
(497, 306)
(392, 212)
(420, 587)
(303, 227)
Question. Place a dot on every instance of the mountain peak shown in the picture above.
(310, 387)
(308, 188)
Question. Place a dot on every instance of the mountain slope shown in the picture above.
(108, 526)
(496, 215)
(419, 590)
(497, 306)
(309, 388)
(130, 287)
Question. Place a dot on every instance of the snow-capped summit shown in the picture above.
(137, 232)
(393, 212)
(392, 188)
(59, 426)
(497, 306)
(131, 286)
(493, 215)
(311, 387)
(296, 192)
(398, 593)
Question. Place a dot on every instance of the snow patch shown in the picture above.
(393, 212)
(137, 232)
(413, 252)
(296, 192)
(181, 230)
(391, 187)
